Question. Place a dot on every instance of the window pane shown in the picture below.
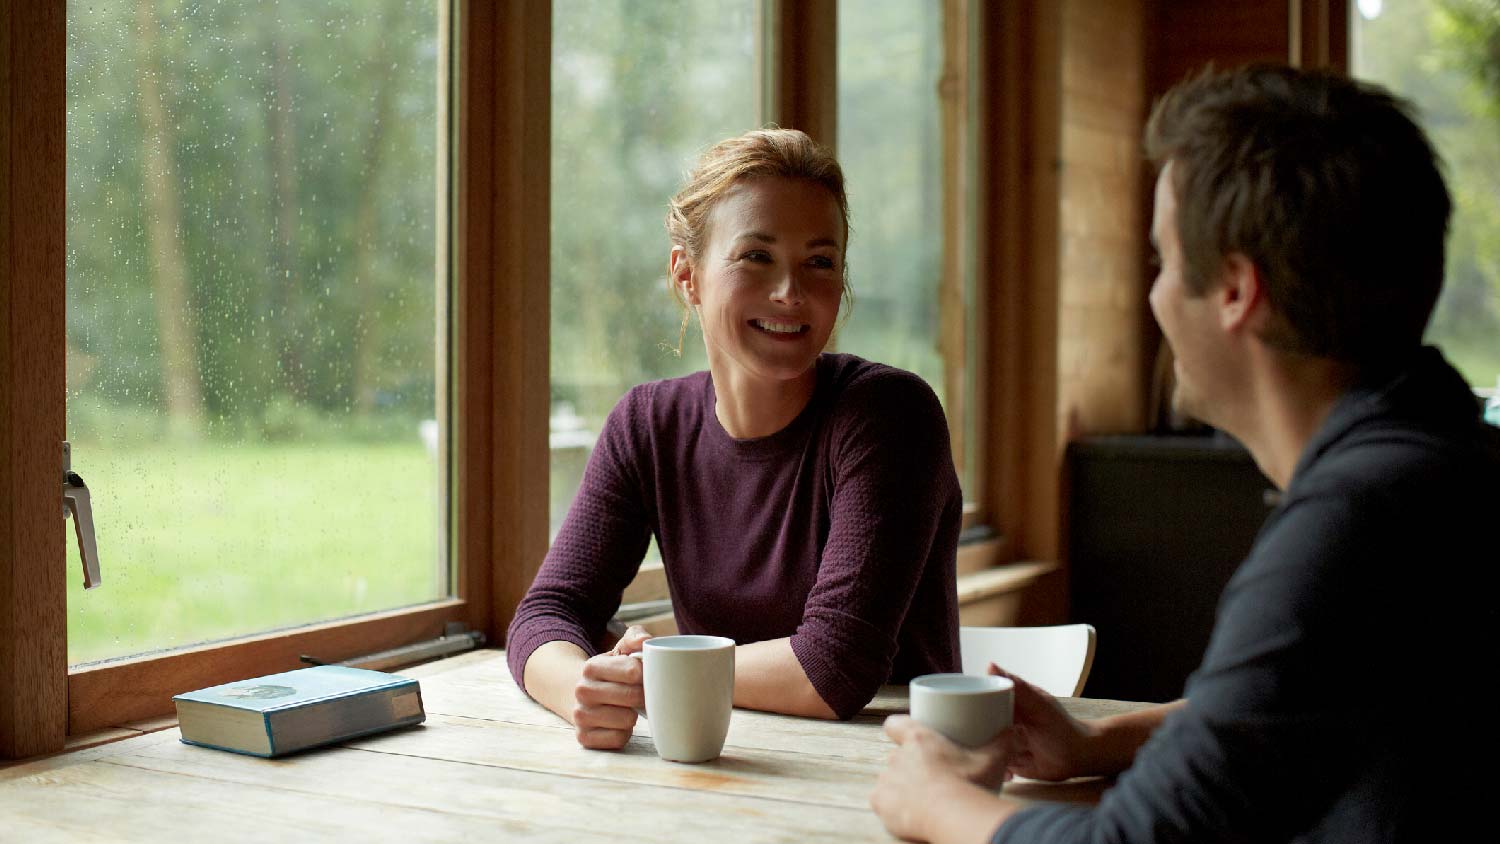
(252, 296)
(638, 90)
(891, 144)
(1441, 54)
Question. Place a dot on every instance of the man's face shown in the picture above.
(1188, 321)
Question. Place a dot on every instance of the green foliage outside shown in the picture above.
(252, 333)
(1444, 55)
(639, 90)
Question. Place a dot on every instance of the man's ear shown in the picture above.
(1241, 295)
(680, 271)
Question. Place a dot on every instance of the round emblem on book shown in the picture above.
(260, 692)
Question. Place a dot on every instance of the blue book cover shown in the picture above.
(283, 713)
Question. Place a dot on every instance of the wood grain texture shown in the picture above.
(803, 64)
(33, 602)
(1018, 261)
(489, 761)
(1320, 34)
(1101, 266)
(519, 227)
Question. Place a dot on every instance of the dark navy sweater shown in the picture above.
(1338, 699)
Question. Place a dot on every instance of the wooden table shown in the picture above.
(489, 764)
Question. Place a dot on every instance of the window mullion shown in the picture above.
(33, 595)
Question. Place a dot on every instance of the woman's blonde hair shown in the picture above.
(783, 153)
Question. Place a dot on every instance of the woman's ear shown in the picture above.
(680, 270)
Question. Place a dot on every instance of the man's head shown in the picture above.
(1322, 186)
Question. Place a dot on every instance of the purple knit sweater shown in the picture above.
(839, 531)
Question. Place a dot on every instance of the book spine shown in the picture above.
(342, 718)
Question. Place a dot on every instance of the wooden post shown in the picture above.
(504, 287)
(801, 84)
(33, 595)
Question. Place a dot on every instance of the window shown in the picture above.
(253, 282)
(1441, 54)
(900, 87)
(638, 91)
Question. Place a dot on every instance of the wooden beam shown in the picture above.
(505, 226)
(1019, 211)
(801, 80)
(1319, 34)
(33, 595)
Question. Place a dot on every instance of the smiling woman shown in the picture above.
(805, 504)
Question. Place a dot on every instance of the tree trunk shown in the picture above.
(367, 335)
(282, 152)
(176, 323)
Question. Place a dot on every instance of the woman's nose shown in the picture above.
(788, 289)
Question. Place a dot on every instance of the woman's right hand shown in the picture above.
(609, 694)
(1047, 743)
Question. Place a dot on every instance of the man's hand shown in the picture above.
(609, 693)
(930, 789)
(1047, 742)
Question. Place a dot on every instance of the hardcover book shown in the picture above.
(284, 713)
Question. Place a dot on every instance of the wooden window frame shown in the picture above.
(499, 376)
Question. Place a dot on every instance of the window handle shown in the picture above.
(76, 503)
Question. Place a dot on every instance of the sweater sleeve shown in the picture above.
(894, 490)
(598, 548)
(1270, 735)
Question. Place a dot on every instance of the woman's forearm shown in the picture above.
(551, 675)
(768, 677)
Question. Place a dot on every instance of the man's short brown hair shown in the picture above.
(1327, 185)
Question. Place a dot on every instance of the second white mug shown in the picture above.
(968, 708)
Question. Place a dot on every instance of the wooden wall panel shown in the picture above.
(1187, 35)
(1100, 279)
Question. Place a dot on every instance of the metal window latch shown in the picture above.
(76, 504)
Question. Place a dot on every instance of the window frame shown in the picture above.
(500, 323)
(499, 377)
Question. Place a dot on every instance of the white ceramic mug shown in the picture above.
(971, 709)
(689, 695)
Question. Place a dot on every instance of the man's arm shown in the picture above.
(1115, 740)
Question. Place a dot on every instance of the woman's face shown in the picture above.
(768, 285)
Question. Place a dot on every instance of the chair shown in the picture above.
(1055, 659)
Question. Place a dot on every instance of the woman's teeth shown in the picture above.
(778, 327)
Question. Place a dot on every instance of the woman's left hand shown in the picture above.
(927, 774)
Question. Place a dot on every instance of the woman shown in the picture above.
(805, 504)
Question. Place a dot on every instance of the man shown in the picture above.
(1300, 220)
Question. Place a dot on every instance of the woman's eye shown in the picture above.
(822, 262)
(757, 255)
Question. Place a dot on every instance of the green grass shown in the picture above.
(208, 541)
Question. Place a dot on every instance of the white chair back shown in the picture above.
(1055, 659)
